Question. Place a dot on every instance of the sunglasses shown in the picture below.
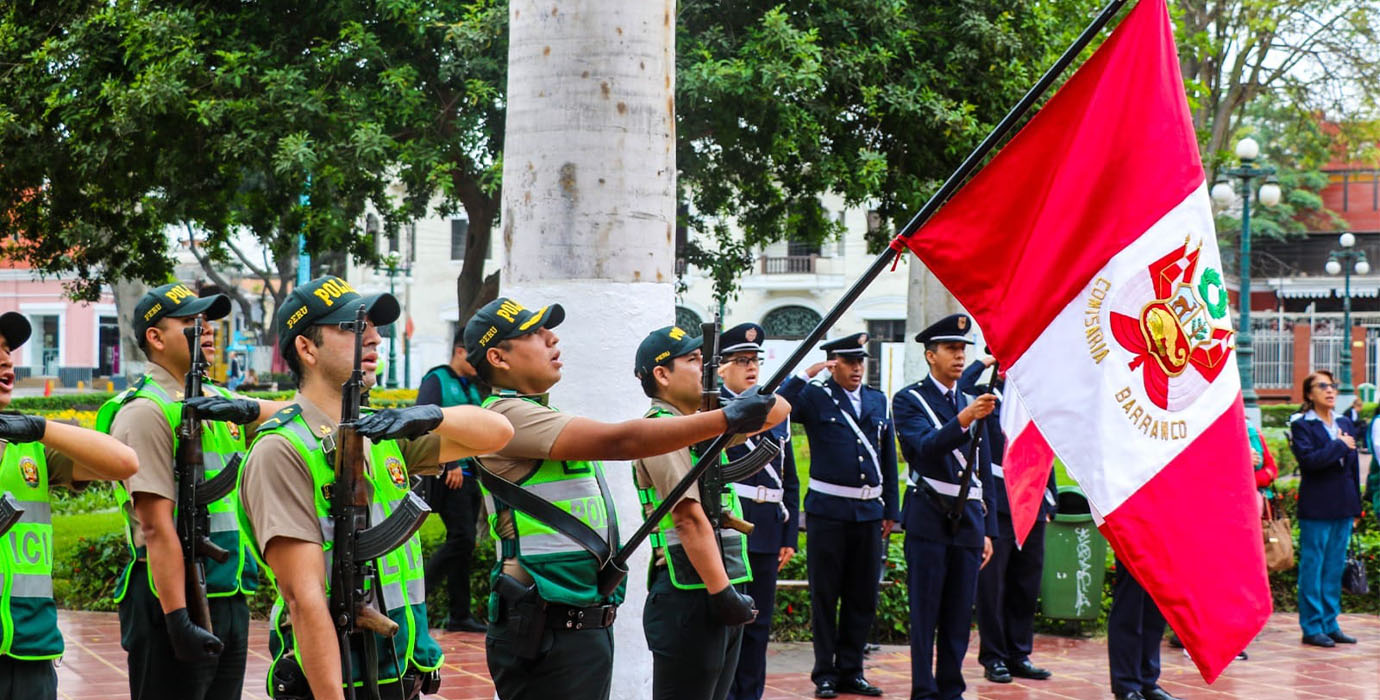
(1326, 385)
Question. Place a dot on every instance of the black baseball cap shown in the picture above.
(663, 345)
(176, 300)
(15, 328)
(502, 319)
(327, 300)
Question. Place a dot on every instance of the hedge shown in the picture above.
(379, 398)
(1276, 415)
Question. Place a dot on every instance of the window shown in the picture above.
(878, 332)
(459, 235)
(797, 249)
(790, 322)
(688, 321)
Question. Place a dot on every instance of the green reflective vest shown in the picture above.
(220, 442)
(456, 392)
(733, 543)
(400, 572)
(28, 616)
(564, 571)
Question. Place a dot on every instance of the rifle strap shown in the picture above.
(553, 517)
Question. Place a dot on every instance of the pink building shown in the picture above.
(71, 341)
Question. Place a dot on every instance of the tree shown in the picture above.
(873, 100)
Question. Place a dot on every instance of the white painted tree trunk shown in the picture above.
(588, 218)
(927, 301)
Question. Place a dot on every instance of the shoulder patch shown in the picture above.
(281, 418)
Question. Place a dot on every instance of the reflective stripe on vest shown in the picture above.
(28, 616)
(564, 571)
(401, 571)
(665, 536)
(220, 443)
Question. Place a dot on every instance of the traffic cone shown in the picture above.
(47, 387)
(109, 385)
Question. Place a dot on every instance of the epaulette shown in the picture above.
(123, 397)
(280, 418)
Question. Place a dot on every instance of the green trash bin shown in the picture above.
(1075, 560)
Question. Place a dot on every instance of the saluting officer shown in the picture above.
(695, 614)
(549, 630)
(850, 506)
(934, 421)
(771, 502)
(169, 655)
(36, 456)
(284, 509)
(1009, 585)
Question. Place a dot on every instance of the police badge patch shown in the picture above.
(28, 468)
(396, 471)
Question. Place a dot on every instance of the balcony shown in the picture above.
(789, 265)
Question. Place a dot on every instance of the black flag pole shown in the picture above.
(710, 455)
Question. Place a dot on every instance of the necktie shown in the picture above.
(952, 396)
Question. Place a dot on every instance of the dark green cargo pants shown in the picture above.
(27, 680)
(693, 658)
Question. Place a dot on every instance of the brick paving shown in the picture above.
(1279, 667)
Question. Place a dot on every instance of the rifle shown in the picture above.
(9, 512)
(977, 434)
(194, 492)
(714, 481)
(356, 545)
(710, 455)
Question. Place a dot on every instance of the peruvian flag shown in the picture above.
(1026, 463)
(1086, 252)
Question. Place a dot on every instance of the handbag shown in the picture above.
(1279, 540)
(1353, 572)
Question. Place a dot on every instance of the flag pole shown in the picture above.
(951, 185)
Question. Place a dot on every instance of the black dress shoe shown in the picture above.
(1318, 640)
(826, 689)
(1133, 695)
(1341, 637)
(997, 672)
(860, 686)
(468, 624)
(1157, 693)
(1025, 669)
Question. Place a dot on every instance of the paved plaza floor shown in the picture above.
(1279, 667)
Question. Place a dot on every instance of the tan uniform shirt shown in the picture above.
(142, 425)
(60, 468)
(665, 471)
(276, 488)
(535, 429)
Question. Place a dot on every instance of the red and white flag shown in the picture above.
(1025, 464)
(1086, 251)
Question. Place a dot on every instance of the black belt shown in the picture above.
(566, 617)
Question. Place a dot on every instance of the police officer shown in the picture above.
(1009, 585)
(770, 500)
(850, 505)
(284, 511)
(1135, 628)
(169, 655)
(935, 422)
(695, 613)
(549, 628)
(454, 493)
(36, 456)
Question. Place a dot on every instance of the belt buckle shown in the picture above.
(761, 494)
(870, 492)
(610, 614)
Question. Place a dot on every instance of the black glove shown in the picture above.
(731, 608)
(748, 413)
(16, 427)
(400, 423)
(189, 642)
(239, 411)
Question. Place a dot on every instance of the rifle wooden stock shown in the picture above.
(367, 618)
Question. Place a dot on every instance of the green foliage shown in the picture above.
(85, 574)
(97, 497)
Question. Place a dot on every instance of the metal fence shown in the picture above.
(1273, 341)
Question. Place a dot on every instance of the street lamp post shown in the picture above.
(1247, 150)
(392, 260)
(1344, 261)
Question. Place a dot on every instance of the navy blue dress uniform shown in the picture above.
(1135, 629)
(1009, 586)
(943, 567)
(771, 502)
(852, 489)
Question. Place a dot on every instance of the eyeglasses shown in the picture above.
(746, 361)
(1326, 385)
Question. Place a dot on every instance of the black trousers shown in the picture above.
(155, 674)
(459, 510)
(943, 583)
(693, 657)
(1008, 596)
(572, 664)
(1134, 631)
(27, 680)
(750, 681)
(843, 562)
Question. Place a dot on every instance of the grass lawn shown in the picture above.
(68, 528)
